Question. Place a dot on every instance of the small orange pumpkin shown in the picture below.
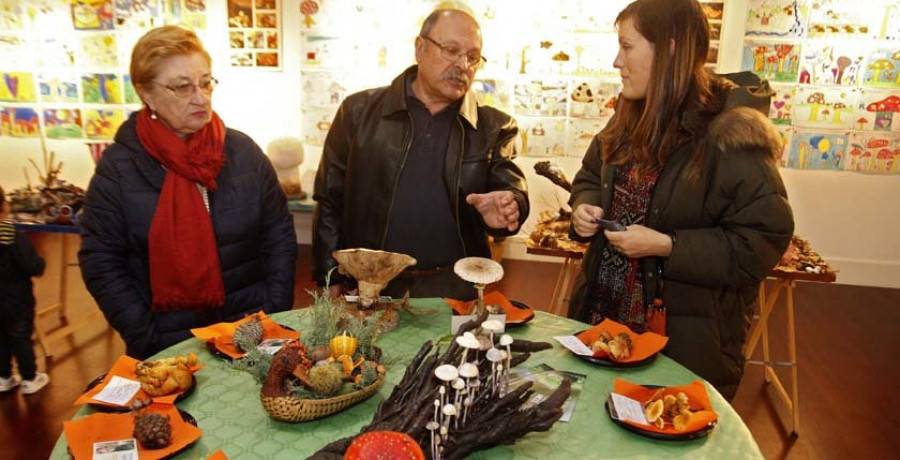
(343, 344)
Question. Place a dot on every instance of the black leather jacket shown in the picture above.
(365, 152)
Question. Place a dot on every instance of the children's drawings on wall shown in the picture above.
(782, 104)
(592, 99)
(840, 19)
(92, 14)
(491, 92)
(877, 110)
(581, 133)
(810, 150)
(60, 123)
(316, 123)
(102, 123)
(101, 88)
(17, 87)
(883, 68)
(19, 122)
(874, 152)
(542, 137)
(99, 51)
(827, 64)
(786, 133)
(58, 88)
(776, 18)
(541, 98)
(824, 107)
(321, 89)
(777, 62)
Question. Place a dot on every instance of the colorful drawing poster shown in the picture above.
(540, 98)
(827, 64)
(824, 107)
(814, 150)
(541, 137)
(99, 50)
(494, 93)
(593, 99)
(17, 87)
(254, 33)
(194, 14)
(776, 18)
(101, 88)
(131, 96)
(58, 88)
(782, 104)
(55, 52)
(786, 133)
(12, 16)
(874, 152)
(776, 62)
(316, 123)
(136, 14)
(92, 14)
(102, 123)
(62, 123)
(19, 122)
(889, 28)
(883, 68)
(876, 111)
(581, 133)
(842, 19)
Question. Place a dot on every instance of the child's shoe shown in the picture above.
(9, 383)
(33, 386)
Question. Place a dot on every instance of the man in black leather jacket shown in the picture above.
(418, 167)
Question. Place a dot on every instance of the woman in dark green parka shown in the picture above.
(689, 166)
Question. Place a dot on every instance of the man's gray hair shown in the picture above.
(456, 7)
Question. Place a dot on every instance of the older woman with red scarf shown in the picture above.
(185, 222)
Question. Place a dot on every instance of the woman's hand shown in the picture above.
(639, 241)
(584, 220)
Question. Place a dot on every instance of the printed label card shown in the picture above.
(824, 107)
(60, 123)
(776, 18)
(818, 150)
(882, 68)
(874, 152)
(19, 122)
(776, 62)
(876, 111)
(827, 64)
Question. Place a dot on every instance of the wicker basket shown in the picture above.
(291, 409)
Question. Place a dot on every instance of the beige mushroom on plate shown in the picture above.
(372, 269)
(479, 271)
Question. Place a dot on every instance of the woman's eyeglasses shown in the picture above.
(452, 53)
(187, 89)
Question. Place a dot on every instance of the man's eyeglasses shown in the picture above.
(452, 53)
(187, 89)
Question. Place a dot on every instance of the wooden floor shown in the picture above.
(848, 347)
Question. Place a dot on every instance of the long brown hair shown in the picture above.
(647, 130)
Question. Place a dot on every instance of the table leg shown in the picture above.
(765, 333)
(792, 352)
(765, 310)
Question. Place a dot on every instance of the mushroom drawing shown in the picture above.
(882, 159)
(815, 100)
(842, 63)
(372, 269)
(855, 152)
(838, 108)
(880, 66)
(480, 271)
(862, 123)
(884, 112)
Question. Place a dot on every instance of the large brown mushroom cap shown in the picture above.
(372, 269)
(478, 270)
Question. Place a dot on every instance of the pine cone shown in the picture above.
(153, 430)
(248, 335)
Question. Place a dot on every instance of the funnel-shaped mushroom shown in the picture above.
(372, 269)
(481, 272)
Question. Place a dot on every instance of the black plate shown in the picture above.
(521, 306)
(106, 408)
(661, 436)
(213, 350)
(610, 363)
(187, 417)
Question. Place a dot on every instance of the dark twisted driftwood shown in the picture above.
(492, 420)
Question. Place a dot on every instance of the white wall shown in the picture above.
(850, 218)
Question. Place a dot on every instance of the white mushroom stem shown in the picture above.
(480, 288)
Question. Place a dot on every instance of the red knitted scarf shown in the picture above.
(184, 261)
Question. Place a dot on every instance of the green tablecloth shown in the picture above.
(227, 408)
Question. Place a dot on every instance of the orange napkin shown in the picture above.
(124, 368)
(217, 455)
(513, 314)
(221, 334)
(696, 393)
(645, 345)
(81, 434)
